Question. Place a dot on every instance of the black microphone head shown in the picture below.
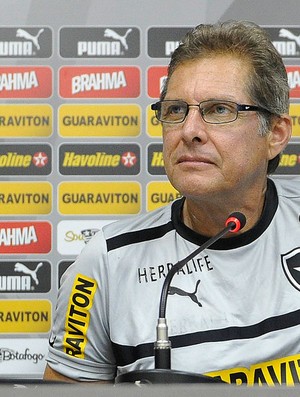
(237, 221)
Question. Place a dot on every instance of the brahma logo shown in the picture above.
(25, 237)
(25, 82)
(99, 82)
(293, 73)
(156, 78)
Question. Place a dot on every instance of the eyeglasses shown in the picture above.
(212, 111)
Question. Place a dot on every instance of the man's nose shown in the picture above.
(194, 126)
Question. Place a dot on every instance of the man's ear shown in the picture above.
(279, 135)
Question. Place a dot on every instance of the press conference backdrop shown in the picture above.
(80, 146)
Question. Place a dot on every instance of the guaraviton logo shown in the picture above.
(99, 197)
(99, 120)
(21, 121)
(78, 315)
(154, 127)
(25, 198)
(159, 194)
(294, 113)
(281, 371)
(25, 316)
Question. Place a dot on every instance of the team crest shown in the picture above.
(291, 266)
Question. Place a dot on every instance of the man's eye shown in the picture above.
(176, 109)
(220, 109)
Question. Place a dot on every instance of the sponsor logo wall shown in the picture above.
(80, 148)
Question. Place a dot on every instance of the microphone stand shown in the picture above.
(162, 346)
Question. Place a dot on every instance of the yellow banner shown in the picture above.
(78, 315)
(99, 120)
(154, 127)
(25, 316)
(159, 194)
(25, 198)
(18, 121)
(84, 198)
(295, 114)
(282, 371)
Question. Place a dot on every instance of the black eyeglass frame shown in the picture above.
(239, 108)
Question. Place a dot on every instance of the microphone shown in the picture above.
(162, 346)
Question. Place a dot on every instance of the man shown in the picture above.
(234, 309)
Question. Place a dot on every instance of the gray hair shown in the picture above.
(267, 85)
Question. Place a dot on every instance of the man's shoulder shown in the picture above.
(287, 186)
(154, 219)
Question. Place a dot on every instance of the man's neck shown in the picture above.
(209, 218)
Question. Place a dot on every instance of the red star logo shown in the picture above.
(40, 159)
(129, 159)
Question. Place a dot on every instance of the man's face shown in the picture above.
(209, 161)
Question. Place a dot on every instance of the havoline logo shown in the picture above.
(99, 42)
(25, 42)
(106, 159)
(290, 160)
(155, 159)
(25, 159)
(286, 40)
(24, 276)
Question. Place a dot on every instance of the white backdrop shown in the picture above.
(64, 58)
